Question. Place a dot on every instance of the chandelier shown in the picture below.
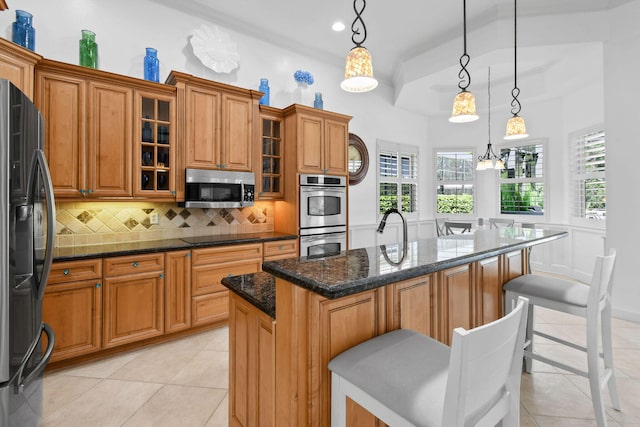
(489, 160)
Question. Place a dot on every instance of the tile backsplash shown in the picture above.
(88, 223)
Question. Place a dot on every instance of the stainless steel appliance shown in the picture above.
(218, 189)
(323, 214)
(27, 230)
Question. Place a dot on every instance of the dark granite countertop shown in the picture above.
(357, 270)
(258, 288)
(72, 253)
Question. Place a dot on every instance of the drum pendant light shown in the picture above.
(358, 74)
(516, 128)
(464, 104)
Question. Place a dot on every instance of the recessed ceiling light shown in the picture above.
(337, 26)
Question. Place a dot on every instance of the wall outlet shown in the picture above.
(153, 218)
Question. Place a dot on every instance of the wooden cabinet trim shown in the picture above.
(134, 264)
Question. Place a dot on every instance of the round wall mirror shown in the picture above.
(358, 159)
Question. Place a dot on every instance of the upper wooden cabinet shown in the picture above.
(218, 123)
(317, 138)
(270, 154)
(17, 64)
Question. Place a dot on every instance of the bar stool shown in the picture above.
(592, 302)
(500, 222)
(405, 378)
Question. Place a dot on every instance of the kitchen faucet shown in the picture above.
(383, 223)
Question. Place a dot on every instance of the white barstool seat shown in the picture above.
(592, 302)
(405, 378)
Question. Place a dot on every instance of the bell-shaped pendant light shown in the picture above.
(516, 128)
(489, 160)
(464, 104)
(358, 73)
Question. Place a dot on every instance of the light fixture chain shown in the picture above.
(355, 29)
(463, 75)
(515, 104)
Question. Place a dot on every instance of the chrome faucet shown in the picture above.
(383, 223)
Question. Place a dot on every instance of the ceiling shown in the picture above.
(416, 44)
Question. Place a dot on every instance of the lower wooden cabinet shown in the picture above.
(280, 249)
(177, 291)
(133, 299)
(251, 371)
(72, 306)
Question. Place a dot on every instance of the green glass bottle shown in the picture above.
(88, 49)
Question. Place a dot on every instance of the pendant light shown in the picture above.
(516, 128)
(464, 104)
(489, 160)
(358, 73)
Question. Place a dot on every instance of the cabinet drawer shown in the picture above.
(125, 265)
(280, 249)
(208, 278)
(226, 253)
(209, 308)
(63, 272)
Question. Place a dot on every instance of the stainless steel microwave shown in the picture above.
(218, 189)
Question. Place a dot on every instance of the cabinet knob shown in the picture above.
(89, 191)
(66, 271)
(97, 285)
(81, 191)
(135, 263)
(229, 275)
(188, 254)
(161, 276)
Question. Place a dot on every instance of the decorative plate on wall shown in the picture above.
(357, 160)
(214, 48)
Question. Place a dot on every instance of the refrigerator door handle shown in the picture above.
(40, 166)
(37, 370)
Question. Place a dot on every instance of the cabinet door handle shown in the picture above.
(135, 263)
(66, 272)
(162, 276)
(97, 285)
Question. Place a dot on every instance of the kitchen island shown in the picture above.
(278, 369)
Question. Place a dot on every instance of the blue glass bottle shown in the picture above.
(23, 33)
(317, 102)
(88, 49)
(264, 88)
(152, 65)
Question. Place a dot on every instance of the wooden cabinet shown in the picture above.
(270, 164)
(177, 291)
(155, 145)
(218, 123)
(412, 304)
(251, 372)
(17, 64)
(280, 249)
(489, 283)
(88, 126)
(457, 292)
(72, 306)
(133, 298)
(210, 299)
(318, 139)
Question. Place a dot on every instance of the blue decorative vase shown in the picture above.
(317, 102)
(88, 49)
(264, 88)
(152, 65)
(23, 33)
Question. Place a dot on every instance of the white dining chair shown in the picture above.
(500, 222)
(453, 227)
(408, 379)
(592, 302)
(440, 230)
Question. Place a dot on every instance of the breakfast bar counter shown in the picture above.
(278, 370)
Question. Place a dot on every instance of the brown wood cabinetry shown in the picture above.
(270, 163)
(210, 299)
(251, 373)
(317, 139)
(489, 290)
(280, 249)
(17, 64)
(73, 307)
(177, 291)
(457, 290)
(218, 123)
(133, 298)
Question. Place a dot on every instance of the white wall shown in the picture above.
(125, 28)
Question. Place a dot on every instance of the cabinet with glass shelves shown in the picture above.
(270, 160)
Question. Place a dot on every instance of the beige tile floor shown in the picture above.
(184, 383)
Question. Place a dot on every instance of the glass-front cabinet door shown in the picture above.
(269, 181)
(155, 162)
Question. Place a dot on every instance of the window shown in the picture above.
(589, 185)
(397, 177)
(522, 182)
(454, 181)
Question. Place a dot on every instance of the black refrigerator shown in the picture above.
(27, 231)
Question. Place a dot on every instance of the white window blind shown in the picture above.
(589, 185)
(397, 177)
(455, 179)
(522, 182)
